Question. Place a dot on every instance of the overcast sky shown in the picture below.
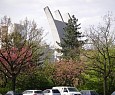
(89, 12)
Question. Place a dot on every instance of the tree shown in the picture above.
(41, 77)
(71, 43)
(20, 50)
(67, 72)
(102, 53)
(33, 80)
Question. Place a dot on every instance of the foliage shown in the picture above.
(19, 50)
(48, 70)
(67, 72)
(102, 53)
(4, 90)
(71, 43)
(91, 80)
(33, 80)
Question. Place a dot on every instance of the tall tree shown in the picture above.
(21, 50)
(102, 53)
(71, 43)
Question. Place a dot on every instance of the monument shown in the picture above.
(57, 27)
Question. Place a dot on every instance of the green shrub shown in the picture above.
(3, 90)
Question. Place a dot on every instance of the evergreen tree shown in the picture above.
(71, 43)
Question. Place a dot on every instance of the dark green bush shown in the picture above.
(3, 90)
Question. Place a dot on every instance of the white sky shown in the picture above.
(89, 12)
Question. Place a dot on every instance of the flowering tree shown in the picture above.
(13, 61)
(20, 51)
(66, 72)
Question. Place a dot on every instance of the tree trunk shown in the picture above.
(105, 86)
(13, 82)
